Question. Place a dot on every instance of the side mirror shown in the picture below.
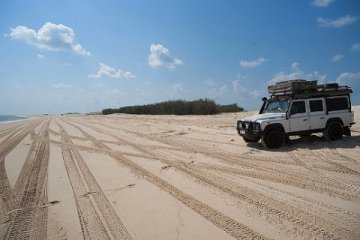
(264, 99)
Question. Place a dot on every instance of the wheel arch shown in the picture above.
(274, 125)
(336, 119)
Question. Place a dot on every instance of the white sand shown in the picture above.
(176, 177)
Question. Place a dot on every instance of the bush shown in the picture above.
(177, 107)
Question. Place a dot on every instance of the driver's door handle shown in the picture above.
(305, 119)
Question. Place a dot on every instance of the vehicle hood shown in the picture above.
(265, 117)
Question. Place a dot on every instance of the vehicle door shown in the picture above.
(317, 113)
(298, 117)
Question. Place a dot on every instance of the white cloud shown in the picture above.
(321, 3)
(50, 36)
(252, 63)
(297, 73)
(107, 71)
(337, 58)
(40, 56)
(160, 57)
(340, 22)
(355, 47)
(348, 76)
(61, 86)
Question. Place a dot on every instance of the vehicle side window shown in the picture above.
(298, 107)
(339, 103)
(316, 106)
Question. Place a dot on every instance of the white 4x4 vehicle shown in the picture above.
(300, 107)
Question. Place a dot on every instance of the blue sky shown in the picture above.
(83, 56)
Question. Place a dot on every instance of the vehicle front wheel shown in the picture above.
(334, 131)
(250, 140)
(273, 138)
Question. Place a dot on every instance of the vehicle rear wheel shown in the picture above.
(249, 140)
(334, 131)
(273, 138)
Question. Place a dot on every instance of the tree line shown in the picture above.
(177, 107)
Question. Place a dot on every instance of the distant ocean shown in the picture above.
(8, 118)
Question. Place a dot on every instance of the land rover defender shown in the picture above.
(299, 107)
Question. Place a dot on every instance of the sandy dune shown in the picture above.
(172, 177)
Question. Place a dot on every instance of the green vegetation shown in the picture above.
(177, 107)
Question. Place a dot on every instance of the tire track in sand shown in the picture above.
(306, 180)
(299, 217)
(97, 217)
(12, 129)
(227, 224)
(29, 219)
(5, 188)
(344, 190)
(6, 146)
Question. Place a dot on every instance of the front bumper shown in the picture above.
(246, 129)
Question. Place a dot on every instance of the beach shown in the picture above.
(173, 177)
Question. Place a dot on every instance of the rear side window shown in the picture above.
(316, 106)
(298, 107)
(334, 104)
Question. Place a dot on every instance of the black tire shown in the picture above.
(334, 131)
(273, 138)
(249, 140)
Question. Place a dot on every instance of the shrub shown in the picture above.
(177, 107)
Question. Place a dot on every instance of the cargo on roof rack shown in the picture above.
(300, 88)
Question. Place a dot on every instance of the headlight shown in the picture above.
(256, 126)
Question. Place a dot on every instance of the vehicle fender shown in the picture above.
(274, 125)
(334, 120)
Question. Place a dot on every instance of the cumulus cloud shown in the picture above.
(50, 36)
(252, 63)
(297, 73)
(355, 47)
(322, 3)
(61, 86)
(340, 22)
(40, 56)
(337, 58)
(110, 72)
(160, 57)
(348, 76)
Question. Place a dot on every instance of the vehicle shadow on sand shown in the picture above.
(312, 142)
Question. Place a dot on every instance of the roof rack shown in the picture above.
(300, 88)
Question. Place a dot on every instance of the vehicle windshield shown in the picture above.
(277, 105)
